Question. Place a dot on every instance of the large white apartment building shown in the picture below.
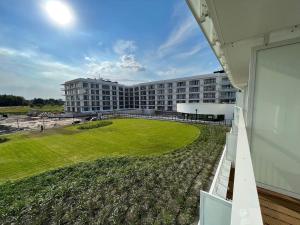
(87, 95)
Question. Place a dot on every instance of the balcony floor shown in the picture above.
(278, 209)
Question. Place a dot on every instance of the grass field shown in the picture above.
(25, 154)
(154, 190)
(26, 109)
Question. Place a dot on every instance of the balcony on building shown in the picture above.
(257, 42)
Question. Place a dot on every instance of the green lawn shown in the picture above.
(26, 109)
(26, 154)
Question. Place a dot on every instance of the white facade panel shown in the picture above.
(207, 109)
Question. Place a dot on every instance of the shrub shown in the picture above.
(94, 124)
(3, 139)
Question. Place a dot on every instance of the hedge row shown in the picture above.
(94, 124)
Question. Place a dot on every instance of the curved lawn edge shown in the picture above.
(83, 145)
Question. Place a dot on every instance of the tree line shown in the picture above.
(12, 100)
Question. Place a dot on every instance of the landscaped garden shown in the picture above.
(134, 172)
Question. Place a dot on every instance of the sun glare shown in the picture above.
(59, 12)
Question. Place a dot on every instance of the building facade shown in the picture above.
(87, 95)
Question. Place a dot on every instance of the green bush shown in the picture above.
(3, 139)
(94, 124)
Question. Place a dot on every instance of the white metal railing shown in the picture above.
(245, 203)
(221, 178)
(244, 209)
(214, 208)
(231, 140)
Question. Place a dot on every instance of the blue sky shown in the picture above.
(129, 41)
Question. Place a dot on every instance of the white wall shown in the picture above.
(207, 109)
(276, 119)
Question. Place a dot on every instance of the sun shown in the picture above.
(59, 12)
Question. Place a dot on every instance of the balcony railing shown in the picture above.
(244, 208)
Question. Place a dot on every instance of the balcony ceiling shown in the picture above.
(242, 19)
(240, 25)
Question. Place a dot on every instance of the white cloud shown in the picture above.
(100, 68)
(181, 33)
(13, 52)
(90, 59)
(126, 69)
(129, 62)
(33, 74)
(191, 52)
(168, 73)
(122, 47)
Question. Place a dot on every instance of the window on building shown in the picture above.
(161, 86)
(209, 95)
(227, 86)
(194, 82)
(210, 88)
(105, 92)
(181, 84)
(210, 81)
(194, 89)
(225, 79)
(105, 87)
(170, 108)
(194, 96)
(180, 96)
(180, 90)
